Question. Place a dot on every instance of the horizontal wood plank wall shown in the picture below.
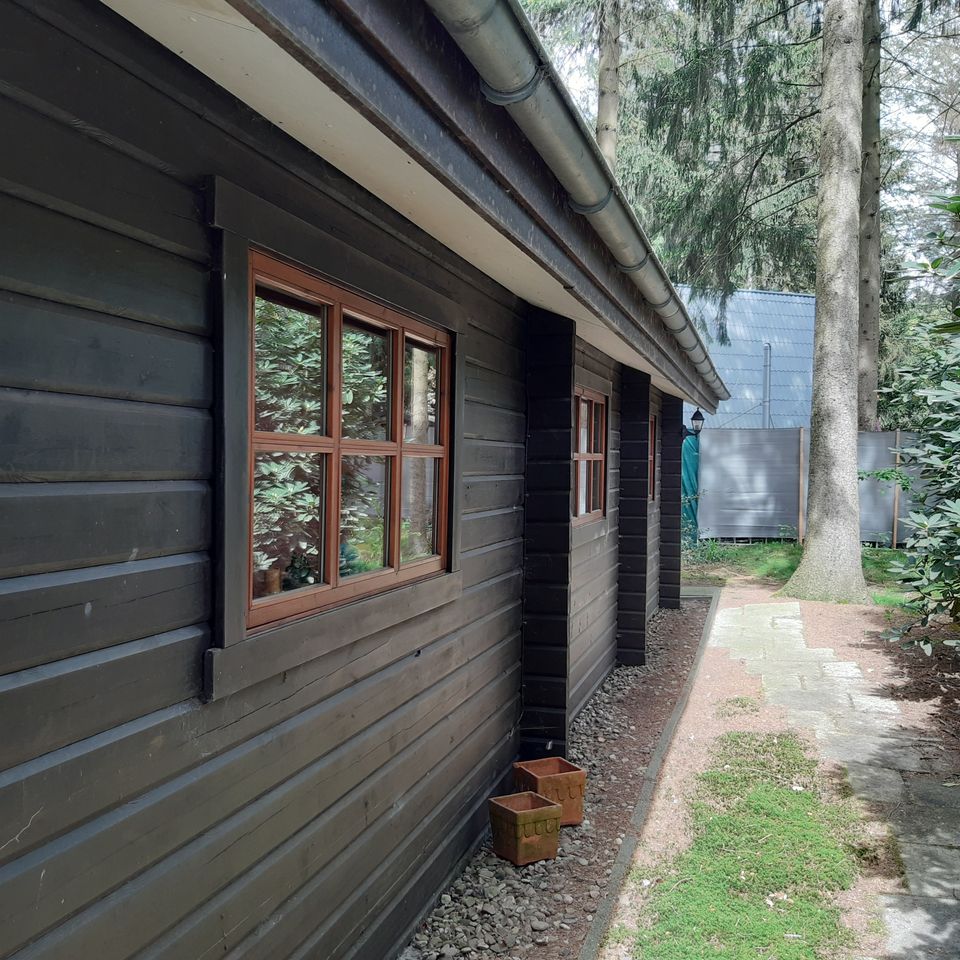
(315, 812)
(671, 456)
(551, 345)
(634, 468)
(653, 512)
(595, 554)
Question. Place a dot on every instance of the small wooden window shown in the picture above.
(652, 472)
(590, 455)
(349, 448)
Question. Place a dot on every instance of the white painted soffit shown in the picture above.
(225, 46)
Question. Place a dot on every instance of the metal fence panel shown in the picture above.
(749, 484)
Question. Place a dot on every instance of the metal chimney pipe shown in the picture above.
(767, 364)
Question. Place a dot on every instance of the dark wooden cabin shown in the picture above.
(212, 749)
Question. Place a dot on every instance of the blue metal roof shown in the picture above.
(756, 317)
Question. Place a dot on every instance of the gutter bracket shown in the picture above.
(589, 208)
(503, 98)
(635, 267)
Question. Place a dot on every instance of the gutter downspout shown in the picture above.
(516, 73)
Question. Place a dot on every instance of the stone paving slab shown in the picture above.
(932, 871)
(880, 783)
(928, 824)
(889, 767)
(876, 751)
(922, 928)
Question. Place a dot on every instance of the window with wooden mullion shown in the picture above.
(336, 511)
(590, 455)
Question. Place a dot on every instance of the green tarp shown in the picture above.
(690, 463)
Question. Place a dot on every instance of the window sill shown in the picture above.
(270, 652)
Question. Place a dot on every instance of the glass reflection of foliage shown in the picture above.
(291, 368)
(365, 403)
(287, 521)
(418, 509)
(290, 398)
(420, 394)
(363, 514)
(365, 392)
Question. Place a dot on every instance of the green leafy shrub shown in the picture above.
(932, 567)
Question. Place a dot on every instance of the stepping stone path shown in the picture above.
(893, 768)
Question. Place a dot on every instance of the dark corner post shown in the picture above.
(634, 466)
(671, 473)
(550, 352)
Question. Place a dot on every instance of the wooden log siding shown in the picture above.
(595, 548)
(671, 445)
(316, 810)
(634, 506)
(551, 359)
(654, 503)
(570, 573)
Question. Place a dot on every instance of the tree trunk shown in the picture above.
(870, 262)
(608, 106)
(831, 565)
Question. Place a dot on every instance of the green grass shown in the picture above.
(776, 560)
(768, 855)
(737, 706)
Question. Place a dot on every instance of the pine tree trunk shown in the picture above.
(608, 105)
(831, 565)
(870, 265)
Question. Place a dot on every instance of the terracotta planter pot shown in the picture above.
(557, 780)
(525, 828)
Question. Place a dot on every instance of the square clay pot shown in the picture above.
(526, 827)
(556, 779)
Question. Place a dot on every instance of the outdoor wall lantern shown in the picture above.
(696, 425)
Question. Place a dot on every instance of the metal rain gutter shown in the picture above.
(516, 73)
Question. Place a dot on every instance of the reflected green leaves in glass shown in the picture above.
(418, 509)
(419, 394)
(364, 493)
(365, 391)
(288, 496)
(291, 383)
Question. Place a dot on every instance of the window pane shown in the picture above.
(598, 428)
(418, 510)
(366, 382)
(288, 497)
(596, 490)
(420, 394)
(291, 383)
(583, 441)
(364, 489)
(582, 466)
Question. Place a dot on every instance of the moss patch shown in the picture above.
(768, 855)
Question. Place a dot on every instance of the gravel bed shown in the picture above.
(542, 911)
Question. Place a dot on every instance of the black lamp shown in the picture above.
(696, 425)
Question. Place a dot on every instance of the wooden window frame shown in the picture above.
(597, 452)
(270, 273)
(652, 458)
